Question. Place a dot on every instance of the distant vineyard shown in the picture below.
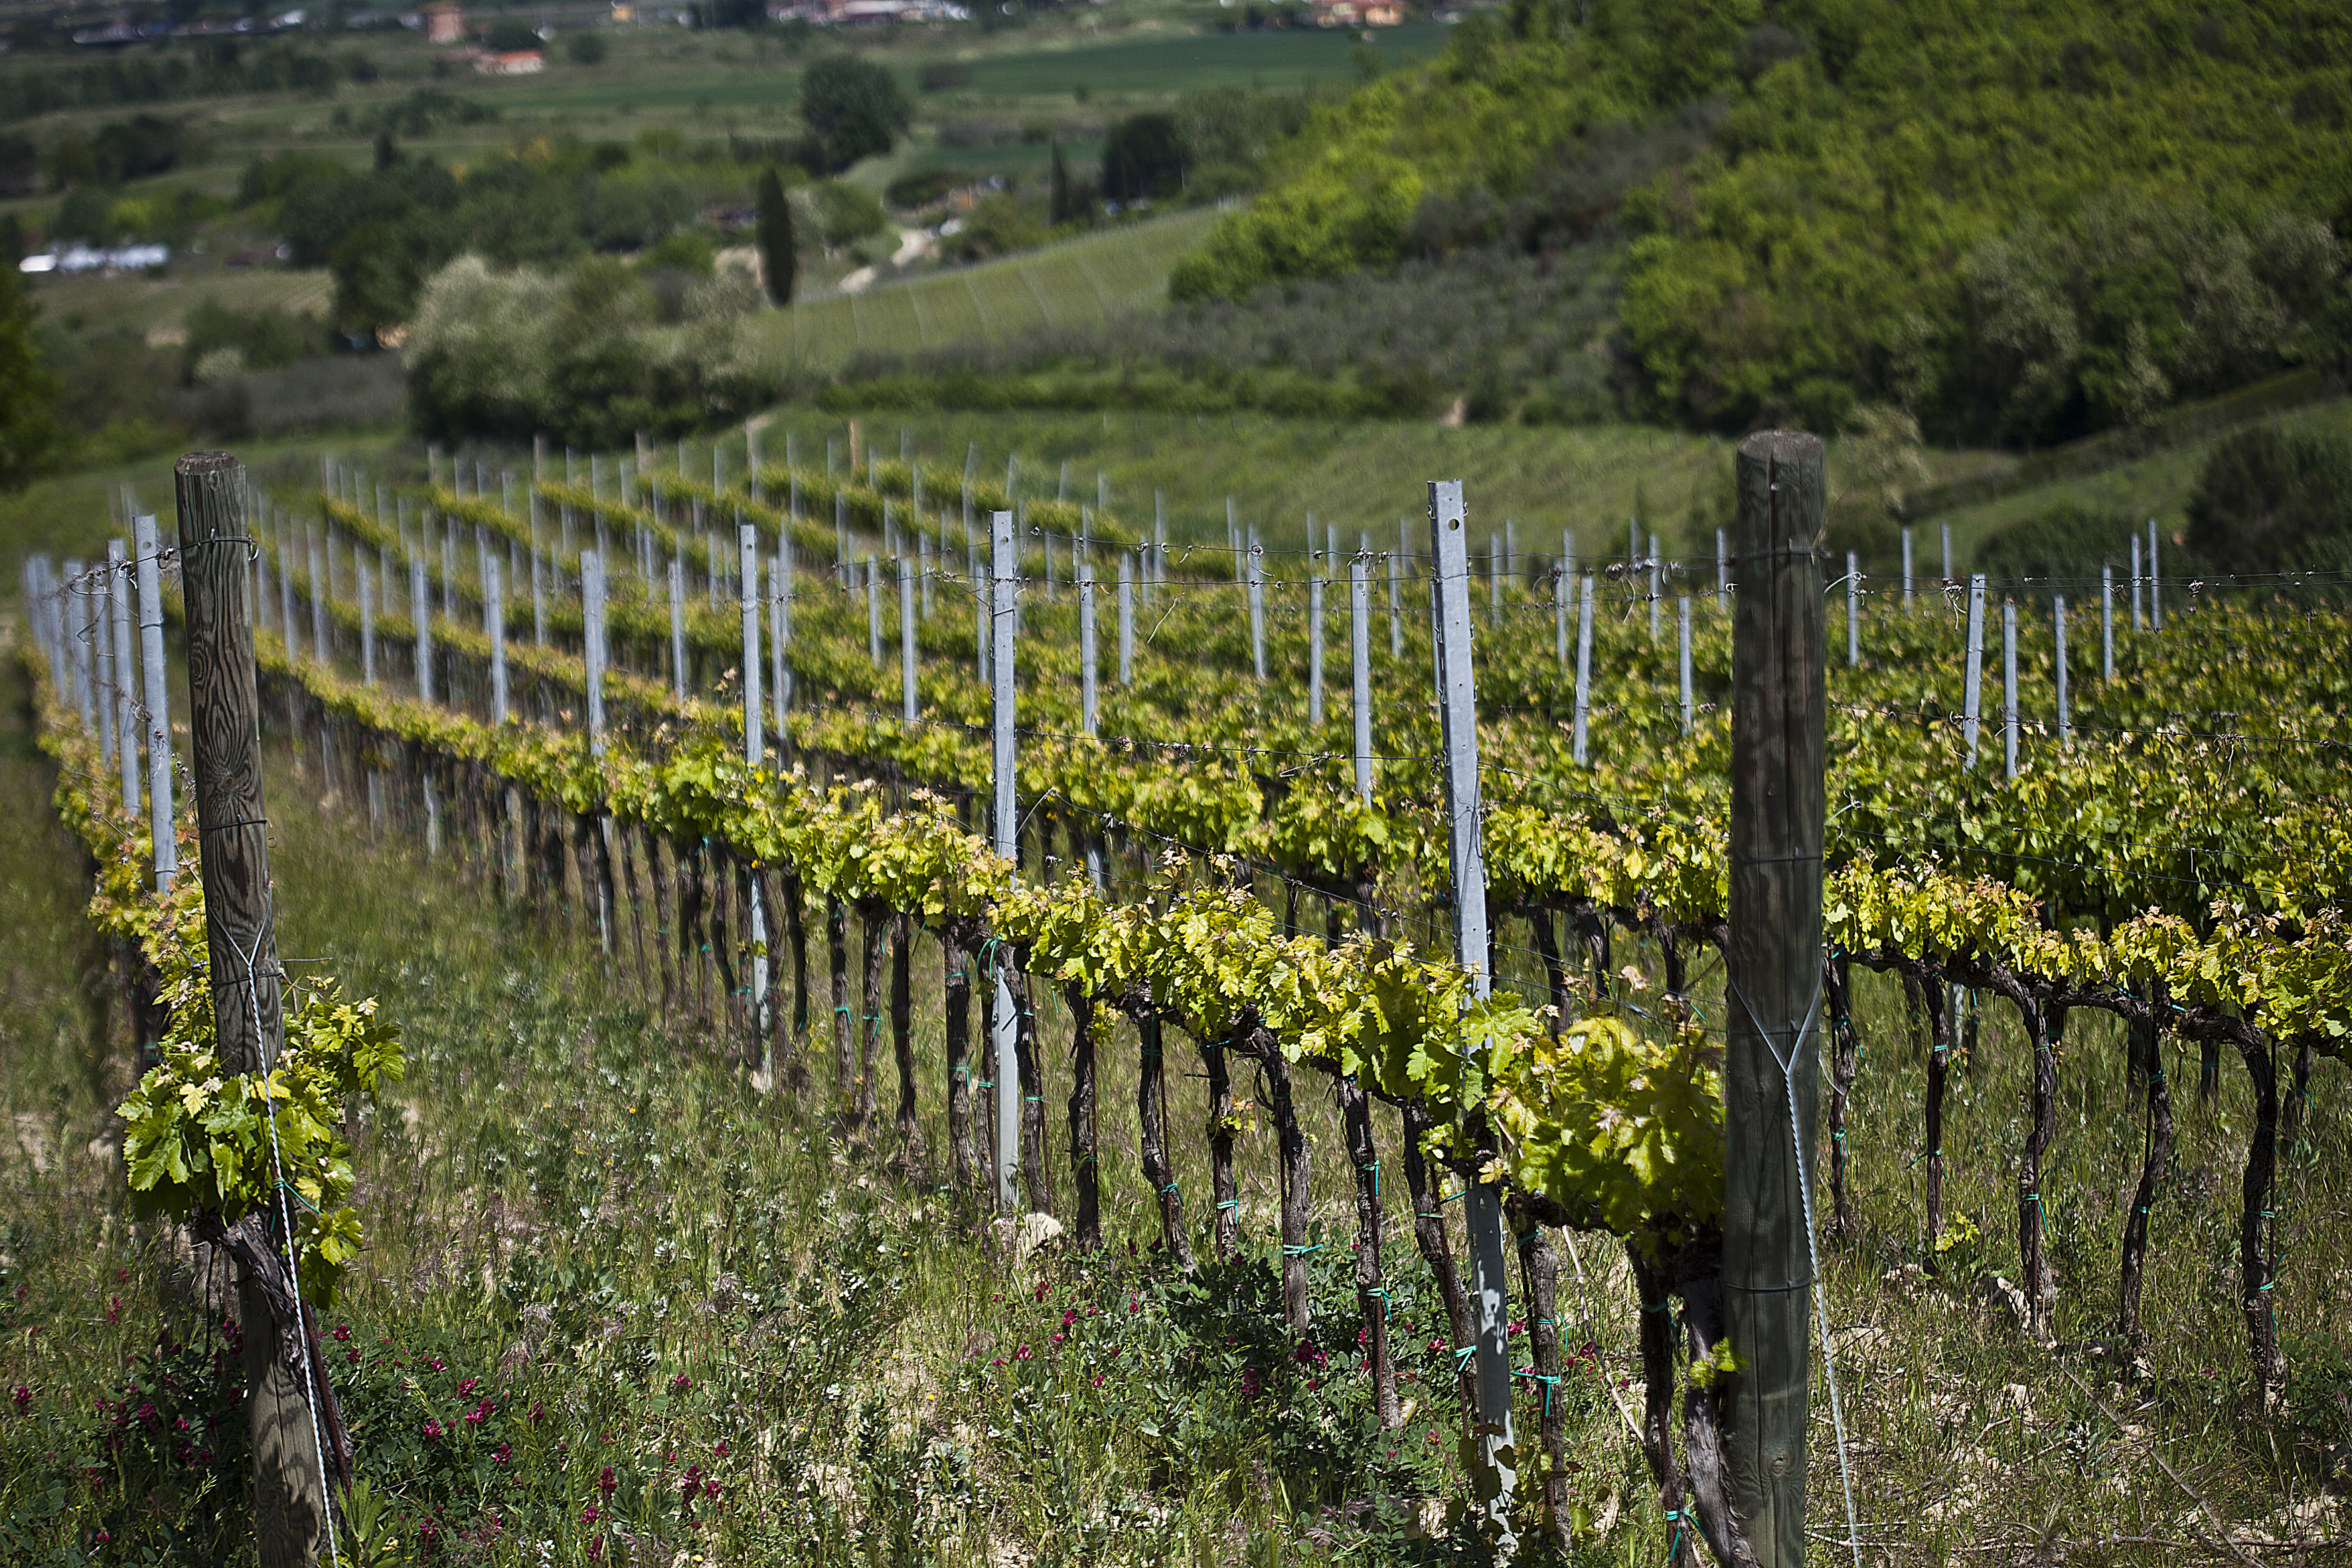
(1079, 283)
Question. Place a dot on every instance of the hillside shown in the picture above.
(2019, 222)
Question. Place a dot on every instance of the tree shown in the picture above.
(28, 389)
(1143, 156)
(508, 36)
(1058, 209)
(375, 280)
(778, 259)
(585, 48)
(854, 109)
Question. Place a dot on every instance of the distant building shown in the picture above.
(1359, 14)
(622, 13)
(445, 22)
(865, 13)
(520, 62)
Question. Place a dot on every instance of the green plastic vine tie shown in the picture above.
(1290, 1251)
(1463, 1194)
(1462, 1354)
(1231, 1203)
(1376, 1290)
(1375, 1169)
(1550, 1383)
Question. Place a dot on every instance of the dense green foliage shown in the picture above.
(2271, 502)
(779, 261)
(384, 230)
(28, 389)
(2020, 222)
(584, 356)
(854, 109)
(224, 66)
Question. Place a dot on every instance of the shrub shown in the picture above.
(920, 187)
(943, 76)
(995, 225)
(847, 214)
(1143, 156)
(586, 47)
(2267, 501)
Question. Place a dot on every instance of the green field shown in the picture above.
(1152, 65)
(1079, 283)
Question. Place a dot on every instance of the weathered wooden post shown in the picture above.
(1774, 972)
(233, 831)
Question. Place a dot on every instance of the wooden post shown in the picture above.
(1494, 1477)
(1774, 972)
(166, 850)
(233, 828)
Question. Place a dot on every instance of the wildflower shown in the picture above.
(437, 1364)
(466, 1389)
(114, 1309)
(501, 1455)
(719, 1447)
(1023, 1354)
(680, 1384)
(101, 1539)
(23, 1396)
(605, 1483)
(538, 1414)
(710, 1487)
(1134, 1305)
(1040, 1290)
(1070, 1316)
(1251, 1385)
(596, 1549)
(432, 1430)
(1517, 1326)
(591, 1514)
(342, 1333)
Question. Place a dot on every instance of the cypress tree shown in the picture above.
(1060, 199)
(778, 258)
